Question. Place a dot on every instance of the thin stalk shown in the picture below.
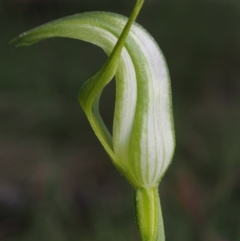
(115, 55)
(149, 214)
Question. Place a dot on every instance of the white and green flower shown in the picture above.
(142, 142)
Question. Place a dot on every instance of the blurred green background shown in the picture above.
(57, 183)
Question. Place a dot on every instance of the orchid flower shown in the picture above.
(142, 142)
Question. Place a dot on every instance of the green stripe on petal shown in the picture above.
(143, 135)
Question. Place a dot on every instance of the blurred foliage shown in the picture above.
(56, 182)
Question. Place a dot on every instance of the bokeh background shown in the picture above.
(56, 181)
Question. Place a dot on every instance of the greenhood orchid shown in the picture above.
(142, 142)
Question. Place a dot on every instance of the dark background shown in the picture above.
(56, 181)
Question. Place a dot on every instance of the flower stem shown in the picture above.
(118, 47)
(149, 214)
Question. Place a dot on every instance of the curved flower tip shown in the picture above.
(142, 143)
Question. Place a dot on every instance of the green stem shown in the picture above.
(149, 214)
(115, 55)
